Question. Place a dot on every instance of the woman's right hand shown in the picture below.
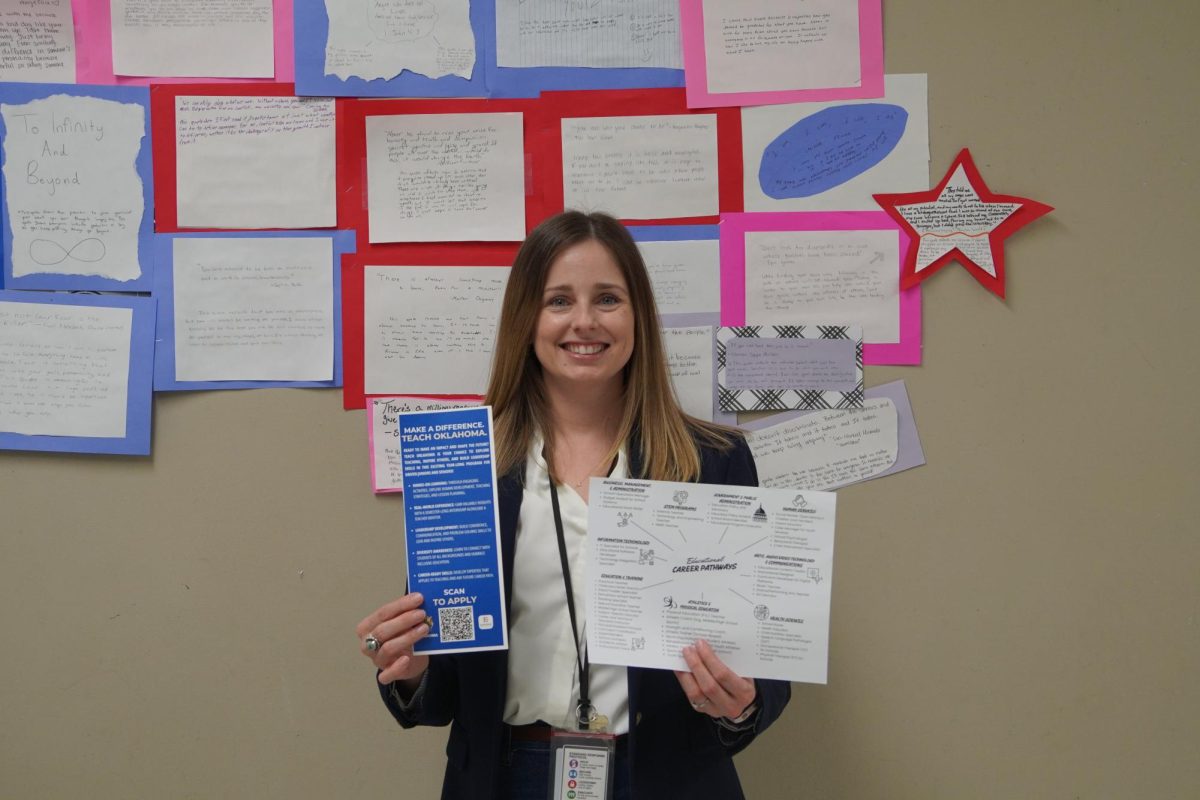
(397, 626)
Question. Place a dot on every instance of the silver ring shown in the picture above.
(700, 705)
(372, 643)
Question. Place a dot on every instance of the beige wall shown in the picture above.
(1017, 619)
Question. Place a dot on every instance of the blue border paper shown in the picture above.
(139, 390)
(452, 528)
(19, 93)
(164, 290)
(311, 31)
(674, 233)
(531, 81)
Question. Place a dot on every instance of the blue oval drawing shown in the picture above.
(829, 148)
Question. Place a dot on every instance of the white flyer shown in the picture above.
(746, 569)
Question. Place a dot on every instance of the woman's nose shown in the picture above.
(584, 317)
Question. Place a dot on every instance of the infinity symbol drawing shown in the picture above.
(48, 253)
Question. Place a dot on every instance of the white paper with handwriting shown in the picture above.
(825, 277)
(371, 39)
(686, 275)
(193, 38)
(64, 369)
(777, 45)
(75, 200)
(430, 330)
(253, 309)
(690, 360)
(588, 33)
(387, 472)
(827, 449)
(446, 177)
(37, 42)
(255, 162)
(645, 167)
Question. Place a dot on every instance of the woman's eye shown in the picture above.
(609, 300)
(557, 301)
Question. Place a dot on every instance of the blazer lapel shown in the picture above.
(509, 491)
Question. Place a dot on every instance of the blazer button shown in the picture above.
(638, 719)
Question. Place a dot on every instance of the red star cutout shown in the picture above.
(959, 220)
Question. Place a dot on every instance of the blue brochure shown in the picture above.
(452, 528)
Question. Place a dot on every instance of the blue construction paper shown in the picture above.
(452, 527)
(139, 392)
(311, 25)
(673, 233)
(164, 290)
(830, 147)
(20, 93)
(531, 81)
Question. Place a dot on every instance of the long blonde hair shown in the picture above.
(667, 437)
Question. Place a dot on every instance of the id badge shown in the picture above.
(582, 765)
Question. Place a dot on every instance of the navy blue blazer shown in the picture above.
(674, 751)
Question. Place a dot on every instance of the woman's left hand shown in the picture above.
(711, 687)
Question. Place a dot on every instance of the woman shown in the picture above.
(579, 388)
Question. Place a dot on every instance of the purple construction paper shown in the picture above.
(164, 290)
(824, 364)
(909, 452)
(136, 441)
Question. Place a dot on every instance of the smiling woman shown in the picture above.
(579, 388)
(585, 330)
(581, 249)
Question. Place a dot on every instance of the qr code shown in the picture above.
(457, 624)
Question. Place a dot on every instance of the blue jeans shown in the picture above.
(525, 772)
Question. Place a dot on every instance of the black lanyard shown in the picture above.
(584, 712)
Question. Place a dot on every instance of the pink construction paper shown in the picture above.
(419, 400)
(734, 228)
(870, 44)
(93, 48)
(371, 454)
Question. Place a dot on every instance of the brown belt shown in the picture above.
(533, 732)
(540, 732)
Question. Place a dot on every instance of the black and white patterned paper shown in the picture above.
(821, 368)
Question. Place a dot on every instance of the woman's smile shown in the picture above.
(584, 349)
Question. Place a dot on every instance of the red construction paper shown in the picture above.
(352, 172)
(353, 284)
(931, 238)
(632, 103)
(162, 135)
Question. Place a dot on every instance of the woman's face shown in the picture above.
(584, 334)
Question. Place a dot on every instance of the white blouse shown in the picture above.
(543, 674)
